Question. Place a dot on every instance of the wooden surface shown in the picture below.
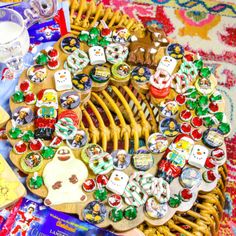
(134, 124)
(4, 117)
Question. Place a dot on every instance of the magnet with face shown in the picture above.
(101, 163)
(32, 162)
(198, 156)
(70, 100)
(82, 82)
(190, 177)
(100, 74)
(95, 212)
(213, 138)
(141, 74)
(143, 161)
(154, 209)
(63, 80)
(65, 128)
(175, 50)
(134, 195)
(121, 159)
(89, 151)
(169, 108)
(78, 141)
(117, 182)
(157, 143)
(205, 86)
(47, 98)
(97, 55)
(167, 63)
(37, 73)
(70, 44)
(169, 127)
(22, 116)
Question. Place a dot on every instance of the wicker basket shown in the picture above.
(137, 120)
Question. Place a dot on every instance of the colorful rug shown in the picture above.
(209, 28)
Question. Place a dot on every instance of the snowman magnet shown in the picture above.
(167, 63)
(97, 55)
(63, 80)
(198, 156)
(117, 182)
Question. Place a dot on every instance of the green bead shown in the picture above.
(28, 135)
(216, 97)
(191, 93)
(201, 111)
(104, 42)
(116, 215)
(175, 200)
(83, 37)
(203, 101)
(205, 72)
(94, 32)
(36, 182)
(42, 59)
(224, 128)
(15, 133)
(18, 97)
(220, 116)
(48, 152)
(208, 122)
(191, 105)
(100, 194)
(198, 64)
(130, 213)
(93, 41)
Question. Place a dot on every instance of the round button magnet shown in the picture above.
(89, 151)
(121, 71)
(190, 177)
(141, 74)
(37, 73)
(69, 44)
(95, 212)
(121, 159)
(100, 74)
(78, 141)
(169, 127)
(22, 116)
(154, 209)
(175, 50)
(82, 82)
(157, 143)
(32, 162)
(70, 100)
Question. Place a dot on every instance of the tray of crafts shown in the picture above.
(118, 129)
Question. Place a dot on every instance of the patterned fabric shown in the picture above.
(209, 28)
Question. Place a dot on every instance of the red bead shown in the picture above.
(185, 115)
(211, 175)
(24, 86)
(180, 99)
(210, 164)
(20, 147)
(36, 145)
(196, 134)
(186, 194)
(105, 32)
(89, 185)
(213, 107)
(196, 121)
(29, 97)
(185, 128)
(102, 180)
(189, 57)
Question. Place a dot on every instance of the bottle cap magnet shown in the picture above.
(157, 143)
(100, 74)
(82, 82)
(205, 86)
(78, 141)
(95, 212)
(190, 177)
(121, 159)
(169, 108)
(169, 127)
(89, 151)
(22, 116)
(31, 162)
(143, 161)
(70, 100)
(37, 73)
(69, 44)
(141, 74)
(121, 71)
(213, 138)
(175, 50)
